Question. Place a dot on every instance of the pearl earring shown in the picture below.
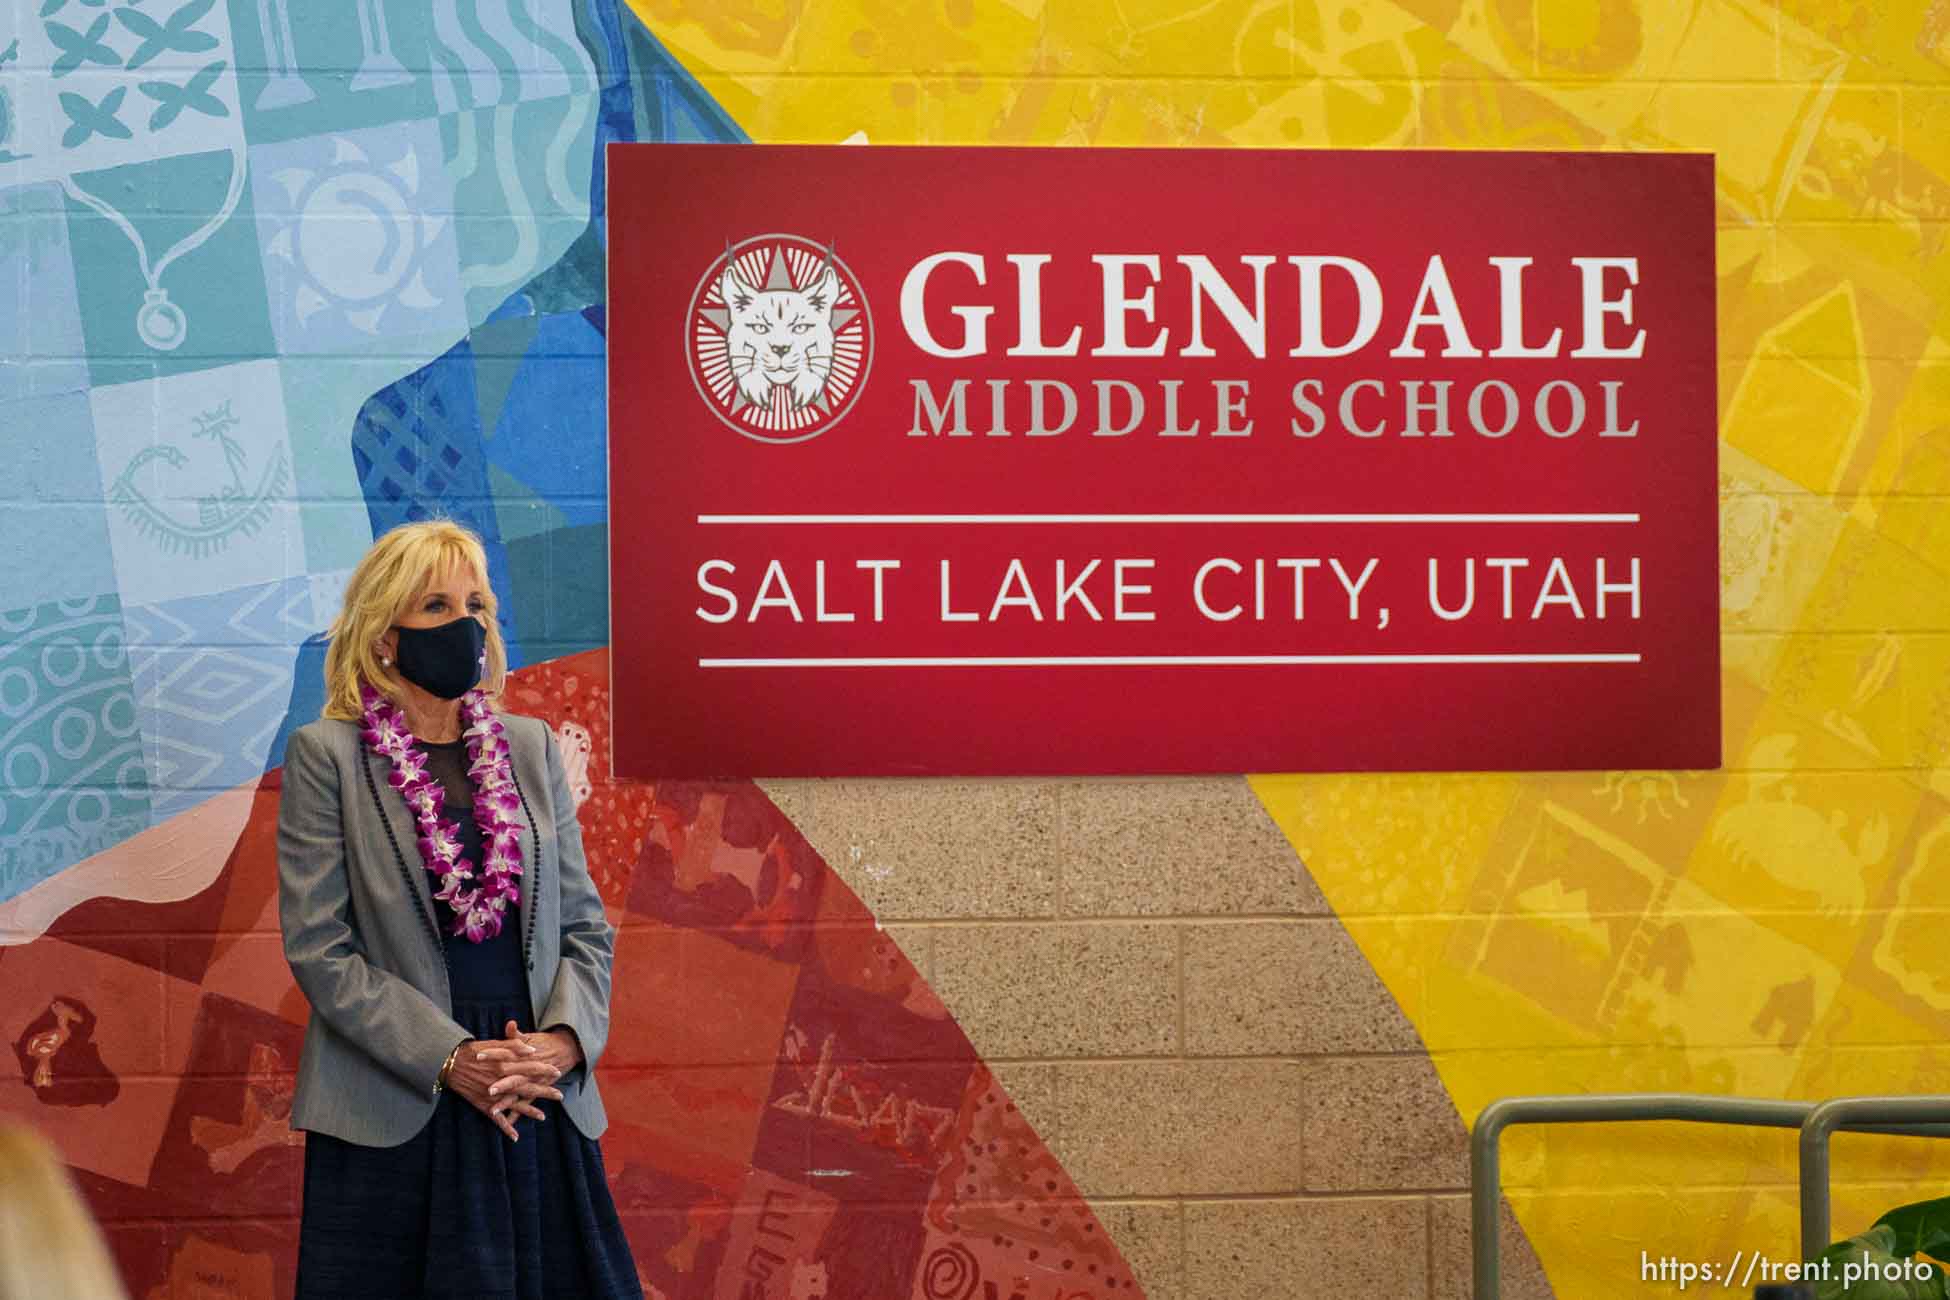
(384, 662)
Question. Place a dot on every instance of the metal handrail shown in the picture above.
(1920, 1116)
(1485, 1176)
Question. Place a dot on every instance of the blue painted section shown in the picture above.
(53, 489)
(209, 674)
(298, 274)
(551, 426)
(41, 351)
(73, 775)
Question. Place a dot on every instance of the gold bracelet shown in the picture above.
(440, 1081)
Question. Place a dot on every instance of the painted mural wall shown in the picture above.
(282, 275)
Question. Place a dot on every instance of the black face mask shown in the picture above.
(444, 660)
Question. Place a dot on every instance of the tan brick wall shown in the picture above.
(1157, 980)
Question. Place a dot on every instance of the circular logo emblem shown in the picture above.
(779, 338)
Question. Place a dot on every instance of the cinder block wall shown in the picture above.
(1247, 1015)
(1170, 999)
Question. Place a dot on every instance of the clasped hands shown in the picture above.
(506, 1076)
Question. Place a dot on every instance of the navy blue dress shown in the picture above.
(458, 1210)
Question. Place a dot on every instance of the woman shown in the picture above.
(50, 1248)
(440, 919)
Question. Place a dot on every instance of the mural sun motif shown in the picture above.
(358, 237)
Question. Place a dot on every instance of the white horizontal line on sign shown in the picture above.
(1026, 661)
(1178, 519)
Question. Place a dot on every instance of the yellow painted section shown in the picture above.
(1775, 929)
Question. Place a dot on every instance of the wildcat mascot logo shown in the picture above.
(779, 338)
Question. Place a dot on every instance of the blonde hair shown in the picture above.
(50, 1248)
(392, 573)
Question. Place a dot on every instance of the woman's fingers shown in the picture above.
(508, 1048)
(499, 1118)
(531, 1069)
(522, 1080)
(524, 1088)
(521, 1072)
(521, 1083)
(502, 1111)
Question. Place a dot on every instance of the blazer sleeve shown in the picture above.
(579, 998)
(386, 1017)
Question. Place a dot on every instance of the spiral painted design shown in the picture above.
(950, 1273)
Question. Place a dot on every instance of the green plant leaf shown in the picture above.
(1921, 1229)
(1869, 1267)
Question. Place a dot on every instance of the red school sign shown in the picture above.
(1040, 461)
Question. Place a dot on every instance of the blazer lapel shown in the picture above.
(405, 833)
(527, 765)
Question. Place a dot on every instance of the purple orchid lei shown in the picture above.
(478, 908)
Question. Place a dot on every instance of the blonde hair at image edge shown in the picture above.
(50, 1248)
(396, 569)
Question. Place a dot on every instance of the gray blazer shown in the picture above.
(359, 922)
